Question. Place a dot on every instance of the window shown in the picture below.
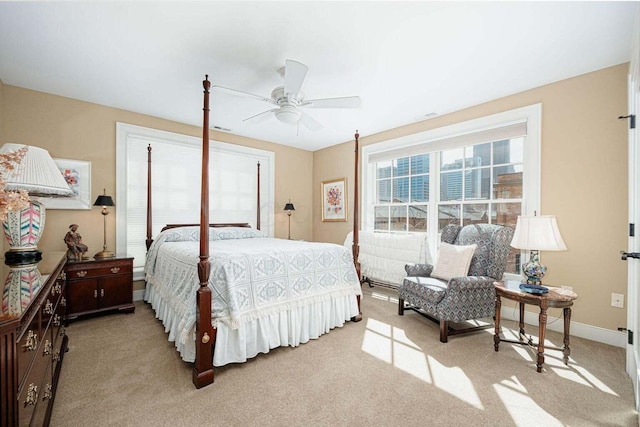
(176, 178)
(481, 183)
(402, 194)
(483, 171)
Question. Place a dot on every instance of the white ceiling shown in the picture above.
(404, 59)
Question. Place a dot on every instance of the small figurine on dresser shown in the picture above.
(77, 250)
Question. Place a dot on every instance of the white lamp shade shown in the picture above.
(538, 233)
(37, 173)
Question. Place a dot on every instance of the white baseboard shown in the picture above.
(582, 330)
(138, 295)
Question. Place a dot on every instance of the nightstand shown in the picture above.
(99, 285)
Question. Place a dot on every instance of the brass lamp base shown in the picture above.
(104, 254)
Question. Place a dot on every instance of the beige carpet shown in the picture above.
(386, 370)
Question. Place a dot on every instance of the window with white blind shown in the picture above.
(176, 181)
(482, 171)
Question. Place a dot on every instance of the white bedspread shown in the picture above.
(265, 292)
(382, 256)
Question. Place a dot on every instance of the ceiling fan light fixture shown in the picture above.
(288, 114)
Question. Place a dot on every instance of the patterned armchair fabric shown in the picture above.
(461, 298)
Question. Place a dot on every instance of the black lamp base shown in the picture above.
(22, 257)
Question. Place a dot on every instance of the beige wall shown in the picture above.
(1, 111)
(584, 183)
(79, 130)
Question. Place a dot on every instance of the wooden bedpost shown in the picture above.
(149, 227)
(205, 333)
(258, 198)
(355, 248)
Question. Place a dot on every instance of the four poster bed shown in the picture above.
(251, 293)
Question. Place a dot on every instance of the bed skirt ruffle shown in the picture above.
(291, 327)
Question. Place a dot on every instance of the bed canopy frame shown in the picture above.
(203, 374)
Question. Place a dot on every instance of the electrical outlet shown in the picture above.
(617, 300)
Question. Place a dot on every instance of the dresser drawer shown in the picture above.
(78, 272)
(28, 346)
(57, 328)
(34, 390)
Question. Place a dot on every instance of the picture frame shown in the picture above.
(334, 200)
(77, 173)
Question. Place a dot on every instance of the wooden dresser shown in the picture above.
(32, 339)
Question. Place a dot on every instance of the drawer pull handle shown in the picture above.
(205, 338)
(101, 292)
(48, 308)
(47, 348)
(32, 341)
(95, 293)
(48, 392)
(56, 356)
(56, 320)
(32, 395)
(81, 273)
(62, 331)
(63, 301)
(114, 270)
(57, 289)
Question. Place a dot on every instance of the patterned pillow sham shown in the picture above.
(182, 234)
(228, 233)
(192, 234)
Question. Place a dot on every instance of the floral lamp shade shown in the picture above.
(32, 173)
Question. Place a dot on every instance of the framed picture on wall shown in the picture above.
(77, 173)
(334, 200)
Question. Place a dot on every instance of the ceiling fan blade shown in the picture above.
(260, 116)
(343, 102)
(294, 74)
(309, 122)
(241, 93)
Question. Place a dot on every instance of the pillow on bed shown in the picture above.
(183, 234)
(452, 261)
(228, 233)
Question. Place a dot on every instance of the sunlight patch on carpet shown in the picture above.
(522, 408)
(523, 352)
(392, 346)
(384, 297)
(581, 376)
(454, 381)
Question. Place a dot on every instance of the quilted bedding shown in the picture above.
(253, 279)
(382, 256)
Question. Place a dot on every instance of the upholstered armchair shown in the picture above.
(466, 296)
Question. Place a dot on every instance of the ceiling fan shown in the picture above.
(289, 100)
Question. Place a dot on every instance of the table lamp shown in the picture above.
(104, 201)
(38, 175)
(289, 207)
(537, 233)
